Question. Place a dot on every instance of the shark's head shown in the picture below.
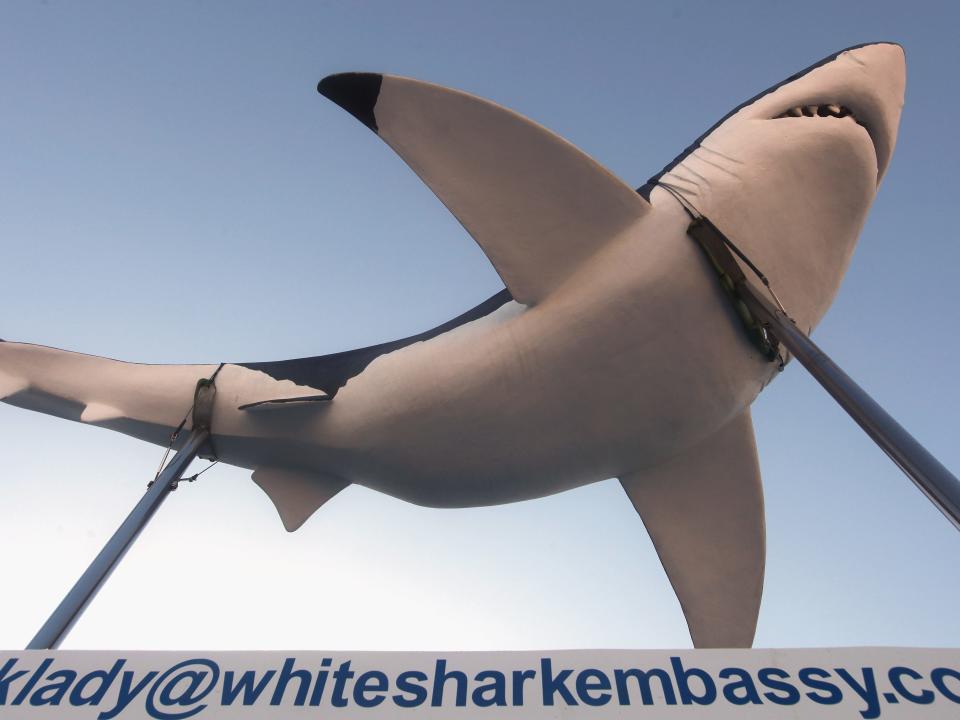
(790, 174)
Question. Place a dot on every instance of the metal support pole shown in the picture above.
(926, 472)
(55, 629)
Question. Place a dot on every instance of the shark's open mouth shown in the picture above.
(830, 110)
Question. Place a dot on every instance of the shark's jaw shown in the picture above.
(829, 110)
(851, 113)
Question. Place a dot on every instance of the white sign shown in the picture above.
(810, 683)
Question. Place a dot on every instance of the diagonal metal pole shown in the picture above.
(926, 472)
(55, 629)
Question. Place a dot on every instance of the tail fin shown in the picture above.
(144, 401)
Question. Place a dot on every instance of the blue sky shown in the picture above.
(173, 189)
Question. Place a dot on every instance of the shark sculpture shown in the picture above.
(612, 351)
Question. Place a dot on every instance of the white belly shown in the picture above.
(600, 379)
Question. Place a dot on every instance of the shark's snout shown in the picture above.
(864, 85)
(883, 82)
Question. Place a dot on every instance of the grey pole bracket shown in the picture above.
(203, 401)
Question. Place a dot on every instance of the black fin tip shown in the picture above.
(357, 93)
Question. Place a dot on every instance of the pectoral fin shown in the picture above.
(537, 206)
(296, 494)
(704, 513)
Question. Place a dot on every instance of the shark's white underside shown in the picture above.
(618, 357)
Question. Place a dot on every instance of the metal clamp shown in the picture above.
(203, 401)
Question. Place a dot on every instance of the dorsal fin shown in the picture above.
(536, 205)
